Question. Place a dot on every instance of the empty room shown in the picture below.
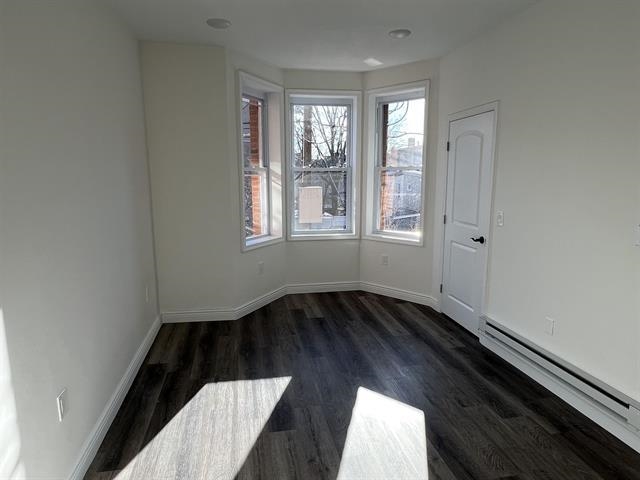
(319, 239)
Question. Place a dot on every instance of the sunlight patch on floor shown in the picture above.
(386, 439)
(212, 435)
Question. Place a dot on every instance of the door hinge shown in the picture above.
(444, 219)
(448, 146)
(440, 288)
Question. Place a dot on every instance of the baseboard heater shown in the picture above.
(623, 408)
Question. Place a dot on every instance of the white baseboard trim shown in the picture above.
(222, 314)
(209, 315)
(255, 304)
(574, 397)
(400, 294)
(231, 313)
(322, 287)
(97, 434)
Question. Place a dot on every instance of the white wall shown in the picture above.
(191, 111)
(186, 112)
(322, 80)
(249, 284)
(410, 267)
(190, 102)
(329, 260)
(567, 175)
(11, 465)
(76, 246)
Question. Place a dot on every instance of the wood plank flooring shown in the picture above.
(273, 395)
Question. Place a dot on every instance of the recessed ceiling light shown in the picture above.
(372, 62)
(400, 33)
(219, 23)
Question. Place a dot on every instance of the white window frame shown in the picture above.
(375, 98)
(350, 99)
(262, 170)
(272, 96)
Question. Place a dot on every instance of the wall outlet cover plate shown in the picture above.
(550, 326)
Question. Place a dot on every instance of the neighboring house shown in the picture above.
(401, 190)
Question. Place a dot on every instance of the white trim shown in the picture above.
(399, 88)
(97, 434)
(323, 287)
(258, 83)
(315, 97)
(352, 99)
(259, 302)
(394, 238)
(474, 111)
(401, 294)
(208, 315)
(579, 378)
(262, 242)
(260, 87)
(222, 314)
(235, 313)
(322, 236)
(574, 397)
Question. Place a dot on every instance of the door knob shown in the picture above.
(478, 240)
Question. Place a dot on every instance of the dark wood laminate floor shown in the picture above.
(483, 419)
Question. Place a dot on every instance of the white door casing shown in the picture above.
(468, 215)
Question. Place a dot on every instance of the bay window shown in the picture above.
(321, 166)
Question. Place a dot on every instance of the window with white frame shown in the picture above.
(321, 165)
(260, 158)
(255, 168)
(399, 157)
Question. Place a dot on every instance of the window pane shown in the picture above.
(256, 219)
(252, 148)
(320, 136)
(400, 200)
(329, 197)
(402, 133)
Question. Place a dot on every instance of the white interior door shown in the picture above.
(468, 217)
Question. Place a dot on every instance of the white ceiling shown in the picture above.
(321, 34)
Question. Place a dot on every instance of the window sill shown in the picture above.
(413, 240)
(322, 236)
(261, 242)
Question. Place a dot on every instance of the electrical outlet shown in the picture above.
(385, 260)
(500, 218)
(60, 402)
(146, 293)
(260, 268)
(550, 326)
